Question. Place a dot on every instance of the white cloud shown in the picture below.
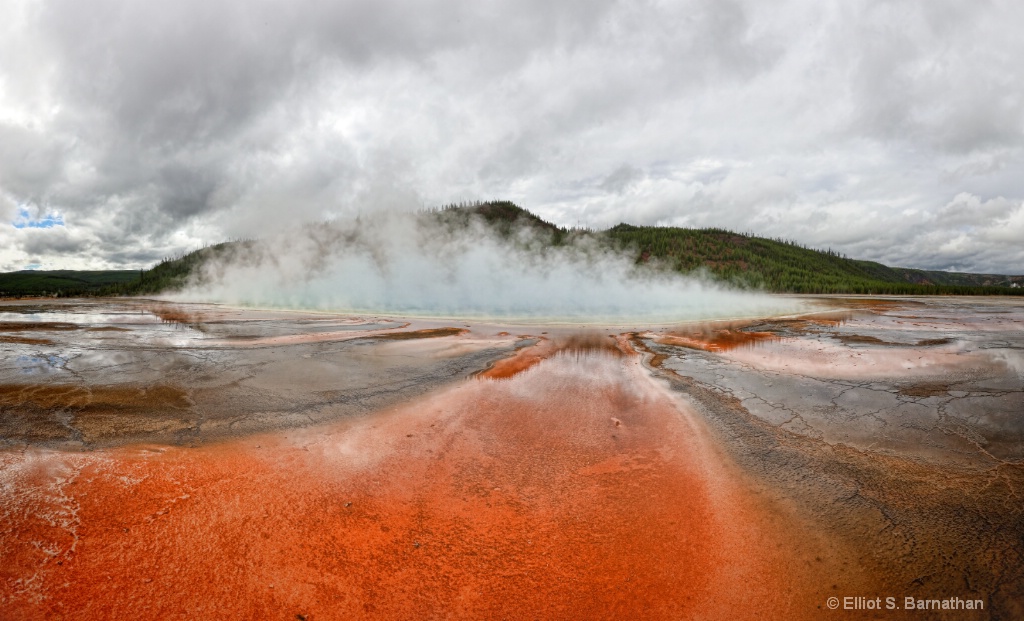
(8, 208)
(855, 125)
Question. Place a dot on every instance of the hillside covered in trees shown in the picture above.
(742, 260)
(63, 282)
(784, 266)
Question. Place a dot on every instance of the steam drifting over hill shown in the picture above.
(443, 266)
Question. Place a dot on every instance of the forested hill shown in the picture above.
(774, 265)
(63, 282)
(743, 260)
(782, 266)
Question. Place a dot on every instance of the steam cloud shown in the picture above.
(405, 264)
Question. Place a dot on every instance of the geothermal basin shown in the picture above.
(162, 460)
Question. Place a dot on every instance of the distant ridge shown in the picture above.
(784, 266)
(28, 283)
(745, 260)
(774, 265)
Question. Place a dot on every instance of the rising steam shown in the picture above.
(406, 264)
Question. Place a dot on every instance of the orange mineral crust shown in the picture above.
(579, 488)
(716, 337)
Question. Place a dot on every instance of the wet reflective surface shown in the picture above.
(940, 380)
(897, 426)
(165, 461)
(82, 374)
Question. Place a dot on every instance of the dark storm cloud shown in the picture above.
(892, 130)
(621, 178)
(29, 162)
(58, 240)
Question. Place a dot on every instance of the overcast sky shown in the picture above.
(890, 130)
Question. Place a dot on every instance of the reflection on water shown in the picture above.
(84, 316)
(37, 365)
(723, 336)
(716, 340)
(147, 323)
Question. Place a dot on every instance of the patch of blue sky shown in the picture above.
(47, 221)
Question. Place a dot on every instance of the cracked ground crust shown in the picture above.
(128, 371)
(922, 474)
(578, 487)
(917, 472)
